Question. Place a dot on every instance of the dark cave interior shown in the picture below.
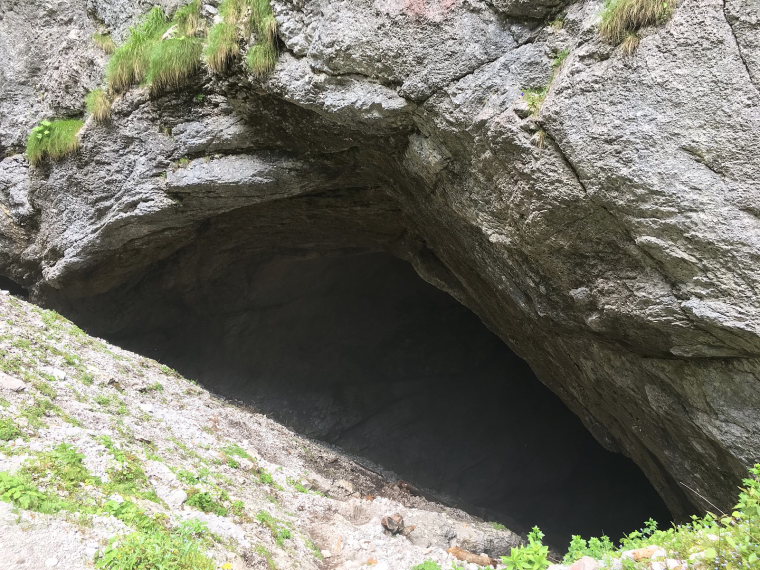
(356, 350)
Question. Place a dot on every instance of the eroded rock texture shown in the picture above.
(620, 260)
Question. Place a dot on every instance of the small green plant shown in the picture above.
(206, 502)
(105, 42)
(98, 104)
(279, 531)
(427, 565)
(532, 556)
(236, 450)
(267, 556)
(20, 492)
(155, 387)
(498, 526)
(54, 139)
(559, 59)
(180, 549)
(622, 17)
(596, 548)
(535, 98)
(8, 429)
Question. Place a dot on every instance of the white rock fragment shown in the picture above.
(11, 384)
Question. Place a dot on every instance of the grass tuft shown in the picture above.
(262, 56)
(188, 19)
(98, 105)
(222, 46)
(261, 59)
(105, 42)
(630, 43)
(622, 17)
(54, 139)
(130, 62)
(172, 63)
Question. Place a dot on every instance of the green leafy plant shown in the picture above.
(18, 491)
(535, 98)
(206, 502)
(8, 429)
(532, 556)
(622, 17)
(98, 104)
(180, 549)
(54, 139)
(279, 531)
(427, 565)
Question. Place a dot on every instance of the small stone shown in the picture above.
(51, 562)
(344, 485)
(326, 554)
(176, 498)
(557, 567)
(56, 373)
(641, 553)
(585, 563)
(10, 383)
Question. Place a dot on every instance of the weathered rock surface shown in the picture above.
(620, 260)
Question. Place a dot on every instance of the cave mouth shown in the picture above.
(358, 351)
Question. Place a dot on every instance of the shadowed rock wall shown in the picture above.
(356, 350)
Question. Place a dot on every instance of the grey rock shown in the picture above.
(620, 260)
(11, 383)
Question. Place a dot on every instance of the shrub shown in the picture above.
(98, 104)
(55, 139)
(173, 62)
(621, 17)
(105, 42)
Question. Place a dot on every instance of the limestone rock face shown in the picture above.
(612, 239)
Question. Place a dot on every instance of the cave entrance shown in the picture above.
(358, 351)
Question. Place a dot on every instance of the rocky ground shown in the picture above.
(150, 440)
